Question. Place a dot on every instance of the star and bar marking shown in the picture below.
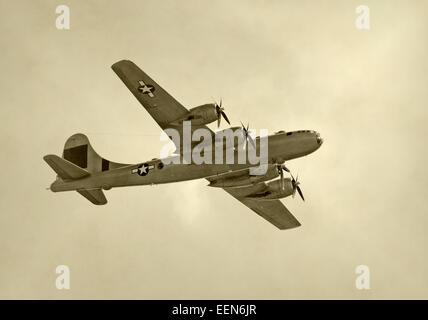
(146, 89)
(142, 169)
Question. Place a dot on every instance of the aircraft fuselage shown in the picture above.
(282, 146)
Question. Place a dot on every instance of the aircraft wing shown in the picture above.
(273, 211)
(163, 108)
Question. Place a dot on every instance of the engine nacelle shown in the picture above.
(201, 115)
(230, 137)
(275, 191)
(245, 180)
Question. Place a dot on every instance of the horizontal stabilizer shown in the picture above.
(65, 169)
(96, 196)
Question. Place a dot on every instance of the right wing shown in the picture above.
(273, 211)
(163, 108)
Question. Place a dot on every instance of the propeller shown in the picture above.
(247, 136)
(281, 169)
(295, 183)
(220, 113)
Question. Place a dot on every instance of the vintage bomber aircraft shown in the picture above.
(81, 169)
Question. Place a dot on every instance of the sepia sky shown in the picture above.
(279, 65)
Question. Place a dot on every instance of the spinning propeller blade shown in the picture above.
(247, 136)
(220, 113)
(296, 183)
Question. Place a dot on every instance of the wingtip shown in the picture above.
(298, 224)
(48, 157)
(117, 64)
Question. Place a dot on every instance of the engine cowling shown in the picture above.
(274, 190)
(201, 115)
(245, 180)
(230, 137)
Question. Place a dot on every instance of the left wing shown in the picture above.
(273, 211)
(163, 108)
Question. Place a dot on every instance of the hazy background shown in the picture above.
(277, 64)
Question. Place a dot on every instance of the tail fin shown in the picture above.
(79, 151)
(79, 160)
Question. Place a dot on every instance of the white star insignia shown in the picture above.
(146, 89)
(142, 169)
